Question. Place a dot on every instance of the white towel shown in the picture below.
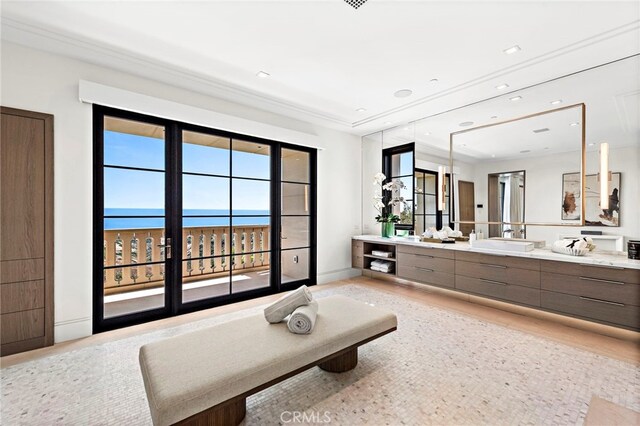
(303, 319)
(575, 243)
(288, 303)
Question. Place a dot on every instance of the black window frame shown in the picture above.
(173, 305)
(387, 154)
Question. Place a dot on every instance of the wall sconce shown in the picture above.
(604, 176)
(442, 189)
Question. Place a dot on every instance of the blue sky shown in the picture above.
(142, 189)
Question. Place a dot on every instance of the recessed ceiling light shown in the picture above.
(542, 130)
(403, 93)
(525, 151)
(512, 49)
(493, 156)
(546, 147)
(387, 122)
(263, 74)
(574, 124)
(502, 86)
(466, 124)
(433, 80)
(556, 102)
(515, 98)
(406, 129)
(427, 133)
(493, 117)
(361, 110)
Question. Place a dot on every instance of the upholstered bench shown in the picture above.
(204, 377)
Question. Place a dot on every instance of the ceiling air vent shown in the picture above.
(355, 3)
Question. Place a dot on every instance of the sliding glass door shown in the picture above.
(188, 217)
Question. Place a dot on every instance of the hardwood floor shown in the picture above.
(625, 346)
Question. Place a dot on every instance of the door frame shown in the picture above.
(173, 221)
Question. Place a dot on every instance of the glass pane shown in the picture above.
(128, 290)
(430, 184)
(203, 153)
(295, 166)
(402, 164)
(405, 211)
(248, 277)
(251, 197)
(295, 232)
(445, 220)
(294, 265)
(419, 203)
(251, 159)
(198, 284)
(139, 225)
(430, 204)
(205, 195)
(295, 199)
(419, 225)
(206, 222)
(133, 192)
(133, 144)
(429, 222)
(252, 234)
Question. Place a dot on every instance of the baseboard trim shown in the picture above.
(340, 274)
(72, 329)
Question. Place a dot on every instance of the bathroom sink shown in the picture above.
(536, 243)
(505, 244)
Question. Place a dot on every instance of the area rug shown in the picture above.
(440, 367)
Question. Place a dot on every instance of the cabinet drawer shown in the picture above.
(426, 250)
(21, 296)
(426, 261)
(425, 275)
(613, 291)
(592, 308)
(21, 270)
(499, 259)
(501, 273)
(23, 325)
(357, 261)
(612, 273)
(513, 293)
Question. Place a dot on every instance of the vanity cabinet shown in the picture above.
(428, 265)
(506, 278)
(601, 293)
(605, 294)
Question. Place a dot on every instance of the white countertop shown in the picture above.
(618, 259)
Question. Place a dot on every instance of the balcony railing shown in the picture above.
(133, 258)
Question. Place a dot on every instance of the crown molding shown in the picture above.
(53, 41)
(541, 59)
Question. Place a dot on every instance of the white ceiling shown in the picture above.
(327, 59)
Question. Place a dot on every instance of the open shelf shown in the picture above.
(391, 259)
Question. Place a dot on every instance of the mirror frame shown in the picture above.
(583, 161)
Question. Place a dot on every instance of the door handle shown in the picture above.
(167, 247)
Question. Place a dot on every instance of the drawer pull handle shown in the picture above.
(602, 266)
(424, 269)
(493, 266)
(598, 280)
(423, 255)
(492, 282)
(591, 299)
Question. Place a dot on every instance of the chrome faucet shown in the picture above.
(510, 231)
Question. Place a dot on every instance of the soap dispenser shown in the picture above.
(472, 236)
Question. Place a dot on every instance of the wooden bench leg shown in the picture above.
(224, 414)
(345, 362)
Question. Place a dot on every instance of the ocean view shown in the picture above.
(134, 221)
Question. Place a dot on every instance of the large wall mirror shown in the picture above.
(535, 136)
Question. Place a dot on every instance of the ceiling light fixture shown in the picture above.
(512, 49)
(515, 98)
(544, 129)
(403, 93)
(433, 80)
(361, 110)
(263, 74)
(466, 124)
(355, 3)
(493, 117)
(525, 151)
(387, 123)
(556, 102)
(502, 86)
(427, 133)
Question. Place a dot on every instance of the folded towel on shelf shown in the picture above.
(303, 319)
(381, 253)
(288, 303)
(385, 270)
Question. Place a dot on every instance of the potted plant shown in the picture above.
(386, 197)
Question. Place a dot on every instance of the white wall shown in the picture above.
(38, 81)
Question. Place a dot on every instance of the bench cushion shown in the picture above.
(190, 373)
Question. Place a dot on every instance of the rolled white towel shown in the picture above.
(303, 319)
(288, 303)
(574, 243)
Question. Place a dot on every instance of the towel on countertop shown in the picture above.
(288, 303)
(575, 243)
(303, 319)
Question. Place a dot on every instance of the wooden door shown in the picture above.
(467, 205)
(26, 231)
